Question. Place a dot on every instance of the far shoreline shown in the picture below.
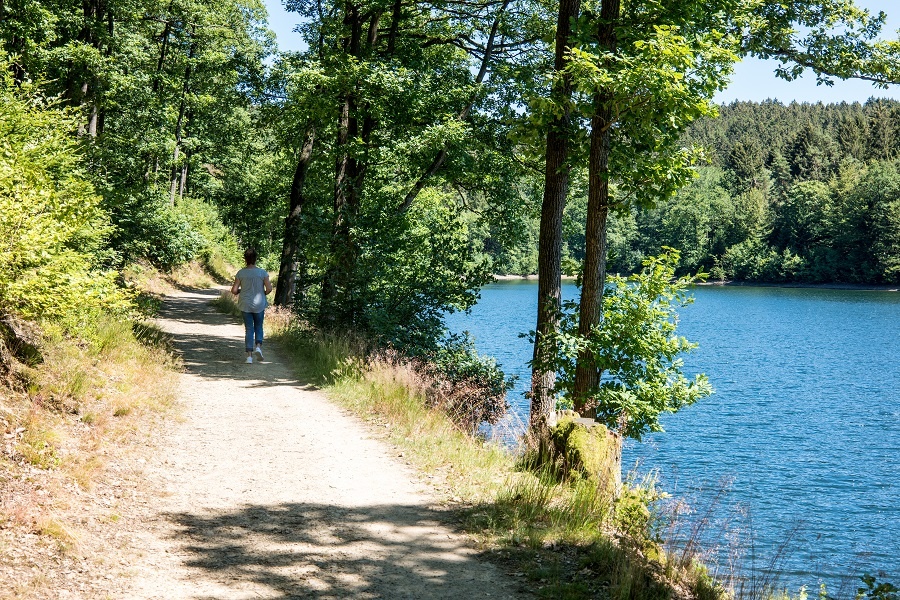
(859, 287)
(530, 277)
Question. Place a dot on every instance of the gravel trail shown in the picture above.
(268, 490)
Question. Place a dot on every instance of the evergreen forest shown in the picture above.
(797, 193)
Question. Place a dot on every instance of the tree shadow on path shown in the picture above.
(321, 551)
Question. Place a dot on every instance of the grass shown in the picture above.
(569, 540)
(90, 402)
(65, 410)
(60, 531)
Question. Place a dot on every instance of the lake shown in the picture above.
(802, 434)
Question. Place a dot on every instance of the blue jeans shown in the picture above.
(253, 323)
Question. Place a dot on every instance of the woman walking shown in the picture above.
(251, 284)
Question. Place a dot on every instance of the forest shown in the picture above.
(784, 193)
(385, 173)
(413, 149)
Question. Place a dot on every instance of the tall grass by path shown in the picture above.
(568, 539)
(73, 424)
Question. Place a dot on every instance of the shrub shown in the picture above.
(635, 348)
(51, 224)
(147, 227)
(471, 388)
(217, 242)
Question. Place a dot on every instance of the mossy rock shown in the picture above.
(581, 451)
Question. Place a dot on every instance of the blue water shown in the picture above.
(802, 433)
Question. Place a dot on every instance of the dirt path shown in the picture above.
(270, 491)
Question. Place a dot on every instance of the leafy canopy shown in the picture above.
(51, 225)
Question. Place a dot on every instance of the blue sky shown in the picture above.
(752, 80)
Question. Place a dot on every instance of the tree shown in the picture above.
(163, 91)
(839, 43)
(882, 130)
(51, 223)
(411, 112)
(635, 348)
(628, 77)
(747, 162)
(811, 154)
(556, 186)
(865, 225)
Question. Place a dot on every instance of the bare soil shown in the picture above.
(265, 489)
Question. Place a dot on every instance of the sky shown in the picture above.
(753, 79)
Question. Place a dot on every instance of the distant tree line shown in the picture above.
(784, 193)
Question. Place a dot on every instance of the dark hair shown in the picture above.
(250, 256)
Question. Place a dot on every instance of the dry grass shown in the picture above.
(570, 540)
(192, 275)
(67, 425)
(152, 285)
(393, 395)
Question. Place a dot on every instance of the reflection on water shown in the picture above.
(804, 427)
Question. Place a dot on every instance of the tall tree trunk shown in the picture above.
(587, 376)
(179, 124)
(338, 306)
(285, 287)
(164, 46)
(185, 164)
(93, 119)
(556, 186)
(174, 179)
(93, 12)
(110, 32)
(340, 230)
(396, 16)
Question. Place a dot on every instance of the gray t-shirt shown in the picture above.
(252, 297)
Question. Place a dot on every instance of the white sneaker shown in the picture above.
(249, 360)
(259, 352)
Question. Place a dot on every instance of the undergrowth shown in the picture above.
(566, 538)
(93, 395)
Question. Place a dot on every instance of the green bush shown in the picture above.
(147, 227)
(635, 348)
(52, 228)
(475, 383)
(216, 239)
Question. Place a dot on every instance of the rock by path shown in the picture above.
(268, 490)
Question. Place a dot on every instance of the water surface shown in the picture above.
(803, 431)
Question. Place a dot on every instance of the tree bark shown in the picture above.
(179, 124)
(95, 18)
(587, 375)
(337, 279)
(93, 119)
(396, 16)
(184, 175)
(164, 46)
(327, 314)
(285, 287)
(556, 186)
